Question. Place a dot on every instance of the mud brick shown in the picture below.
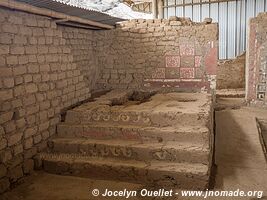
(3, 170)
(4, 184)
(15, 138)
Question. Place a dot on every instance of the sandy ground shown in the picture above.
(239, 158)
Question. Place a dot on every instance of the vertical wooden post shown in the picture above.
(160, 9)
(154, 9)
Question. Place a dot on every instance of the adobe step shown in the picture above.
(156, 118)
(178, 175)
(125, 150)
(192, 134)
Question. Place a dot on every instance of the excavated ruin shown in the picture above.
(159, 139)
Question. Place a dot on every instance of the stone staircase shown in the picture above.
(162, 139)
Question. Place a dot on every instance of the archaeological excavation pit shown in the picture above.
(88, 99)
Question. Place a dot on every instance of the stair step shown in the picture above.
(136, 150)
(152, 118)
(193, 134)
(182, 175)
(161, 110)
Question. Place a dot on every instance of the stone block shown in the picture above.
(8, 82)
(2, 132)
(9, 28)
(28, 143)
(3, 171)
(33, 68)
(207, 20)
(19, 70)
(5, 38)
(18, 149)
(31, 21)
(173, 18)
(17, 50)
(31, 50)
(21, 40)
(5, 72)
(15, 19)
(2, 61)
(176, 23)
(23, 30)
(4, 49)
(23, 60)
(5, 155)
(32, 58)
(19, 113)
(4, 185)
(37, 138)
(30, 132)
(37, 32)
(31, 88)
(14, 139)
(42, 49)
(12, 60)
(20, 123)
(5, 117)
(29, 153)
(3, 145)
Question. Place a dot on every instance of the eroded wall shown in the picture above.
(44, 69)
(175, 53)
(256, 66)
(231, 73)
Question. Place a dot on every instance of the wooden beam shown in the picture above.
(197, 3)
(67, 23)
(46, 12)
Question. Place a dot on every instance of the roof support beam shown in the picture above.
(46, 12)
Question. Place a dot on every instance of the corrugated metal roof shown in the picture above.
(73, 11)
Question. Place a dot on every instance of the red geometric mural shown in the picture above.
(172, 61)
(187, 73)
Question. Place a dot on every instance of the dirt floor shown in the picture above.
(239, 158)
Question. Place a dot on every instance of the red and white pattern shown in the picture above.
(187, 73)
(172, 61)
(187, 50)
(159, 73)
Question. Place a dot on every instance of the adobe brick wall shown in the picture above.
(83, 44)
(231, 73)
(175, 53)
(44, 69)
(256, 67)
